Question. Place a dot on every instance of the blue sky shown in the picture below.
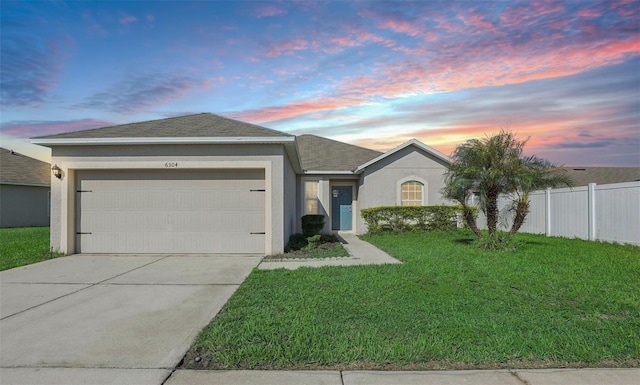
(564, 73)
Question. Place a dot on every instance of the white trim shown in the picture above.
(412, 142)
(313, 172)
(161, 140)
(25, 184)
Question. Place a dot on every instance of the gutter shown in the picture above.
(315, 172)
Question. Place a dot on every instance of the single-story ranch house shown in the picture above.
(24, 190)
(208, 184)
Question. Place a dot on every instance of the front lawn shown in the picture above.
(554, 303)
(24, 246)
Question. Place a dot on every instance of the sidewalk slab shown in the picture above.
(82, 376)
(470, 377)
(580, 376)
(252, 377)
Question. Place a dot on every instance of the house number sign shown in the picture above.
(171, 164)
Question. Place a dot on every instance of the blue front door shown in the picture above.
(341, 197)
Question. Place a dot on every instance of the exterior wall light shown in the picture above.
(335, 193)
(57, 171)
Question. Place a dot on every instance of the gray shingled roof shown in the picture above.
(21, 169)
(189, 126)
(582, 176)
(322, 154)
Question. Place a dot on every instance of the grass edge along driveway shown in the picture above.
(22, 246)
(554, 303)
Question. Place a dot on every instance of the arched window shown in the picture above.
(412, 193)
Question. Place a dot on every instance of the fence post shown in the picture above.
(592, 211)
(547, 213)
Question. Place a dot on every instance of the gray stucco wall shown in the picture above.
(379, 183)
(23, 206)
(290, 200)
(70, 158)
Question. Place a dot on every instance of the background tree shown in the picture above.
(495, 166)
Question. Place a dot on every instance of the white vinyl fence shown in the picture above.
(609, 212)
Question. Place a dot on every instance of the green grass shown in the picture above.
(325, 250)
(556, 302)
(24, 246)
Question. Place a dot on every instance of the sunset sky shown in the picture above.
(376, 74)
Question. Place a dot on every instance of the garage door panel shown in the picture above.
(191, 222)
(176, 243)
(171, 212)
(96, 200)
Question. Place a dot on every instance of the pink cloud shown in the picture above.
(287, 47)
(431, 36)
(127, 19)
(587, 12)
(478, 23)
(271, 114)
(269, 10)
(481, 66)
(400, 26)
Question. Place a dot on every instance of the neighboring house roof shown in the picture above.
(189, 126)
(322, 154)
(413, 142)
(20, 169)
(582, 176)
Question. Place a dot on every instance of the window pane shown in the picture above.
(311, 190)
(311, 206)
(411, 194)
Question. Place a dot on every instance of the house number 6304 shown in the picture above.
(171, 164)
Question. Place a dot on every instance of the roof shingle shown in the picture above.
(21, 169)
(322, 154)
(582, 176)
(189, 126)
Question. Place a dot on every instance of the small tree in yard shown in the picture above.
(495, 166)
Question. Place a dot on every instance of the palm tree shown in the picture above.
(495, 166)
(534, 174)
(458, 191)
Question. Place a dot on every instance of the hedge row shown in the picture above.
(407, 218)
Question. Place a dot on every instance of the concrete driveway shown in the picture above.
(99, 319)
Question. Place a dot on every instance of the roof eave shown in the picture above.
(412, 142)
(160, 140)
(25, 184)
(322, 172)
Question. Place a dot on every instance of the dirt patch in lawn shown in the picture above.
(200, 359)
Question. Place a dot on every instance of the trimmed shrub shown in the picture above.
(314, 242)
(312, 225)
(412, 218)
(296, 242)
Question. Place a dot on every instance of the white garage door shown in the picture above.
(170, 211)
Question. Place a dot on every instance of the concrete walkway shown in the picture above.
(362, 253)
(468, 377)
